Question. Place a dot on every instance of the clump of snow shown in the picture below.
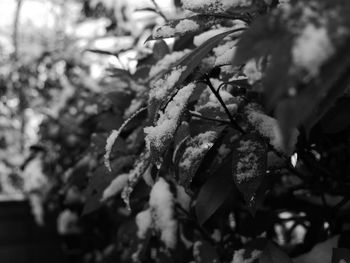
(162, 207)
(224, 53)
(238, 256)
(312, 48)
(164, 31)
(160, 88)
(247, 166)
(182, 197)
(197, 148)
(115, 187)
(252, 71)
(269, 128)
(143, 222)
(209, 101)
(182, 27)
(166, 62)
(169, 119)
(218, 6)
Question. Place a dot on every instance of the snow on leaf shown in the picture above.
(166, 62)
(115, 187)
(269, 128)
(114, 136)
(197, 148)
(141, 166)
(181, 27)
(162, 208)
(249, 166)
(312, 48)
(252, 71)
(159, 136)
(214, 6)
(143, 222)
(225, 53)
(160, 88)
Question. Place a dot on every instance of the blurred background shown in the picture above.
(56, 61)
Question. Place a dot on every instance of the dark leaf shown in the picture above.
(273, 254)
(249, 166)
(213, 194)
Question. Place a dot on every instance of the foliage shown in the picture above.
(231, 145)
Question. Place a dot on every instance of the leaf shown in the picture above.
(273, 254)
(249, 166)
(160, 49)
(320, 253)
(181, 27)
(340, 254)
(213, 194)
(197, 147)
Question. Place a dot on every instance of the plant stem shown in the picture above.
(194, 114)
(217, 95)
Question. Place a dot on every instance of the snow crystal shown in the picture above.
(238, 256)
(225, 53)
(312, 48)
(162, 207)
(143, 222)
(115, 187)
(214, 5)
(252, 72)
(168, 120)
(166, 62)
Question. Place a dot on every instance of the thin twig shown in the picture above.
(194, 114)
(159, 11)
(217, 95)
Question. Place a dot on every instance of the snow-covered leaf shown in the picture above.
(189, 25)
(249, 166)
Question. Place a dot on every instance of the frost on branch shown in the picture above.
(158, 136)
(162, 208)
(312, 48)
(197, 148)
(115, 187)
(214, 6)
